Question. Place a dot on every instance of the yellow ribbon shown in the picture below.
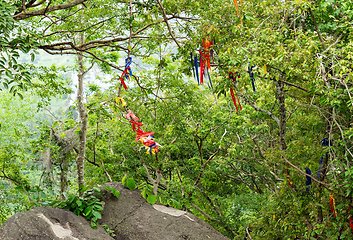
(119, 99)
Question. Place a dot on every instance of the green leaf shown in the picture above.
(123, 180)
(130, 183)
(32, 57)
(151, 199)
(97, 214)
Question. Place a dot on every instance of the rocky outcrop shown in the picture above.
(44, 223)
(130, 216)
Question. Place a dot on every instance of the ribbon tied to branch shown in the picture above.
(234, 78)
(126, 72)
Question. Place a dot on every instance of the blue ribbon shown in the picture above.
(308, 179)
(209, 78)
(197, 67)
(318, 175)
(325, 142)
(128, 62)
(251, 74)
(192, 64)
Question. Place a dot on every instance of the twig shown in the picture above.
(166, 21)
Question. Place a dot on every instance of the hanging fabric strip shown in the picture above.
(350, 219)
(238, 10)
(234, 78)
(197, 69)
(308, 179)
(136, 125)
(251, 74)
(212, 52)
(130, 115)
(209, 78)
(206, 45)
(235, 103)
(202, 65)
(332, 201)
(318, 175)
(192, 65)
(289, 183)
(119, 99)
(126, 72)
(122, 79)
(128, 62)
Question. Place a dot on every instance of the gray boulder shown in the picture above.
(132, 218)
(44, 223)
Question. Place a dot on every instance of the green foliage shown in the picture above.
(109, 231)
(88, 205)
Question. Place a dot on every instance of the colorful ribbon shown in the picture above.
(136, 125)
(206, 46)
(251, 74)
(325, 142)
(308, 179)
(128, 62)
(197, 69)
(350, 219)
(238, 12)
(234, 78)
(202, 65)
(192, 65)
(333, 206)
(289, 183)
(130, 115)
(149, 144)
(320, 165)
(118, 99)
(209, 79)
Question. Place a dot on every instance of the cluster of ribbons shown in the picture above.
(146, 138)
(234, 78)
(127, 72)
(205, 62)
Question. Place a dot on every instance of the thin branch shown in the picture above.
(22, 16)
(317, 29)
(166, 21)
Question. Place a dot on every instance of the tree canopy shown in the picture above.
(262, 149)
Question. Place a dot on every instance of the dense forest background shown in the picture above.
(262, 149)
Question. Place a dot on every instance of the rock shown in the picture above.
(44, 223)
(132, 218)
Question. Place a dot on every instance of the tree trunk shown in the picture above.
(64, 167)
(83, 128)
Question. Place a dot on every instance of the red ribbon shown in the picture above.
(140, 134)
(235, 103)
(122, 77)
(332, 203)
(202, 65)
(350, 219)
(288, 178)
(231, 75)
(136, 124)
